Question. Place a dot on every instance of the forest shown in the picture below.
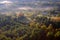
(29, 19)
(20, 28)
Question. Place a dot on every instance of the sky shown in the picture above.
(14, 5)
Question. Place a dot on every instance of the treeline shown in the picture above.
(19, 29)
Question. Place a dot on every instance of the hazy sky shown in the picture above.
(13, 5)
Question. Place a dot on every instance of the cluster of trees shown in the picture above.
(32, 32)
(15, 29)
